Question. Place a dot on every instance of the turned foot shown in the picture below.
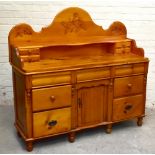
(109, 128)
(71, 137)
(140, 121)
(29, 146)
(18, 134)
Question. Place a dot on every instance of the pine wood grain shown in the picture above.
(74, 75)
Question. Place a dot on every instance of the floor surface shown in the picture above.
(126, 137)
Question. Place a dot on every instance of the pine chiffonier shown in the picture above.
(74, 75)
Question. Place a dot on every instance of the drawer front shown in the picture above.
(48, 98)
(122, 47)
(123, 70)
(123, 44)
(129, 69)
(39, 80)
(128, 107)
(128, 86)
(51, 122)
(92, 74)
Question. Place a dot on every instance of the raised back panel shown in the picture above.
(67, 27)
(69, 35)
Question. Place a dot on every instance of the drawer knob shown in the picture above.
(52, 123)
(129, 85)
(52, 98)
(128, 107)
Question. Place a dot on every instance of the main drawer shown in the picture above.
(128, 85)
(127, 107)
(48, 98)
(51, 122)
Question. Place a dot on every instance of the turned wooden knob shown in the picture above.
(129, 85)
(52, 98)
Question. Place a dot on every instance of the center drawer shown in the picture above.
(128, 86)
(93, 74)
(51, 122)
(49, 98)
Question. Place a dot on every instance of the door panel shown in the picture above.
(92, 105)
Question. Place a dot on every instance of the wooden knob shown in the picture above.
(52, 98)
(129, 85)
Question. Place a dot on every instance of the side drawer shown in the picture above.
(48, 98)
(123, 47)
(128, 85)
(128, 107)
(51, 122)
(39, 80)
(129, 69)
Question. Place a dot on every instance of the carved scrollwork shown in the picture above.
(118, 28)
(74, 24)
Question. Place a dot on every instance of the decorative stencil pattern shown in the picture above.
(74, 24)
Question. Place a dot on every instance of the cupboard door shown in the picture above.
(92, 105)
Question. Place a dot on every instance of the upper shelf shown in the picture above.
(72, 26)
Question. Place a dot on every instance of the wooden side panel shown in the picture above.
(19, 99)
(136, 50)
(92, 105)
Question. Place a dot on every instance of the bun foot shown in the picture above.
(18, 134)
(109, 128)
(71, 137)
(140, 121)
(29, 146)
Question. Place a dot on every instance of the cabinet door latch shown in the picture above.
(79, 102)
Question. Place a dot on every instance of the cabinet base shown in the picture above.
(72, 135)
